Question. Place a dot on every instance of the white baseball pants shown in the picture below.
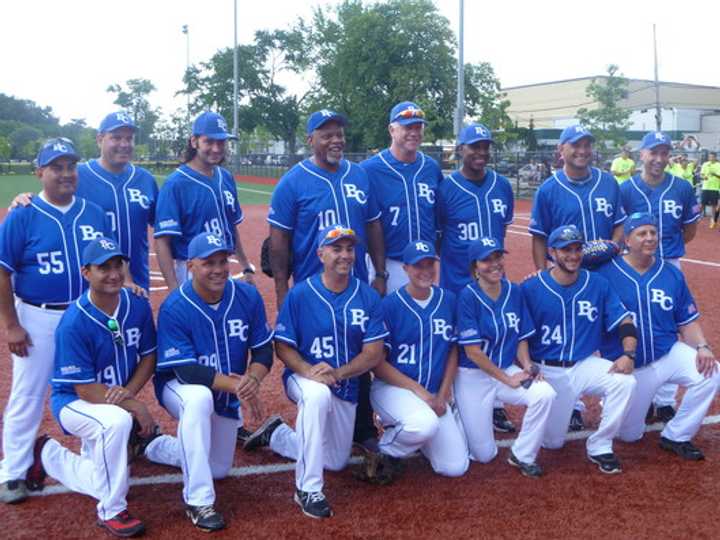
(475, 392)
(323, 433)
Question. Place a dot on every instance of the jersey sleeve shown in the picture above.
(685, 310)
(692, 211)
(540, 219)
(283, 205)
(285, 326)
(153, 205)
(167, 212)
(614, 311)
(12, 240)
(618, 210)
(174, 341)
(260, 331)
(148, 338)
(376, 325)
(468, 322)
(73, 358)
(527, 325)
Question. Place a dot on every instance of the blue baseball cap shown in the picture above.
(475, 133)
(415, 252)
(482, 248)
(55, 148)
(334, 233)
(206, 244)
(573, 134)
(654, 139)
(638, 219)
(564, 235)
(211, 125)
(100, 250)
(115, 121)
(406, 113)
(322, 117)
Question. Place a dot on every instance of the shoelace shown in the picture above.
(206, 511)
(316, 497)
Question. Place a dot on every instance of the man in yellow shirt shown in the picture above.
(710, 174)
(623, 166)
(682, 168)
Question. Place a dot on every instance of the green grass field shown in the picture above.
(11, 185)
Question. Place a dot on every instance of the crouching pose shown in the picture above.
(329, 331)
(413, 387)
(494, 325)
(657, 294)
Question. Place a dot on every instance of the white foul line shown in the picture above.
(253, 470)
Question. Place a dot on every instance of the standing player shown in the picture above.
(200, 196)
(206, 327)
(317, 192)
(672, 201)
(40, 248)
(663, 307)
(471, 203)
(494, 325)
(404, 181)
(125, 192)
(710, 174)
(104, 356)
(413, 387)
(572, 308)
(623, 167)
(329, 331)
(579, 195)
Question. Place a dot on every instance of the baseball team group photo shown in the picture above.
(398, 329)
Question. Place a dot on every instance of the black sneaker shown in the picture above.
(137, 443)
(685, 449)
(313, 504)
(261, 436)
(205, 518)
(650, 414)
(576, 421)
(665, 413)
(35, 477)
(243, 434)
(501, 422)
(13, 491)
(531, 470)
(607, 463)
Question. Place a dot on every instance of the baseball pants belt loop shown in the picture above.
(557, 363)
(56, 307)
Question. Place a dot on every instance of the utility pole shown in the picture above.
(236, 155)
(460, 105)
(658, 110)
(186, 31)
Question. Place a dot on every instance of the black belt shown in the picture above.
(56, 307)
(557, 363)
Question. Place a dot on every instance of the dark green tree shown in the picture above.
(134, 99)
(608, 120)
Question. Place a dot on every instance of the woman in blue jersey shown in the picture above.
(493, 327)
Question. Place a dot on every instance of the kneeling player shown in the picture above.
(105, 353)
(413, 387)
(494, 325)
(329, 331)
(656, 292)
(206, 328)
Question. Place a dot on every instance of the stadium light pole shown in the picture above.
(658, 110)
(235, 90)
(460, 105)
(186, 31)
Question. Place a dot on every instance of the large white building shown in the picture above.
(687, 109)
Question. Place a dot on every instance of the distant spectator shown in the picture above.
(623, 166)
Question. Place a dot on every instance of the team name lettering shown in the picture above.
(236, 328)
(658, 296)
(425, 192)
(442, 328)
(358, 318)
(586, 309)
(89, 233)
(602, 206)
(673, 208)
(136, 196)
(352, 192)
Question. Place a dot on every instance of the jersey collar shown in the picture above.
(98, 169)
(189, 293)
(504, 290)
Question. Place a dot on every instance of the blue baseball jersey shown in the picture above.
(308, 199)
(420, 337)
(129, 200)
(192, 332)
(406, 195)
(42, 246)
(467, 211)
(673, 204)
(660, 302)
(190, 203)
(324, 326)
(87, 351)
(593, 205)
(571, 321)
(497, 326)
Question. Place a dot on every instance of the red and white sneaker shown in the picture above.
(123, 525)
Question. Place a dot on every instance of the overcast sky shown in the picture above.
(64, 54)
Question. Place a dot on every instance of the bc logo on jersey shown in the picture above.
(658, 296)
(89, 233)
(358, 318)
(425, 192)
(136, 196)
(586, 309)
(602, 206)
(673, 208)
(236, 328)
(133, 336)
(229, 198)
(513, 321)
(442, 328)
(352, 192)
(499, 207)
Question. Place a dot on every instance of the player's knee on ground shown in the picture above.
(631, 434)
(419, 427)
(483, 452)
(197, 401)
(336, 461)
(452, 468)
(219, 470)
(554, 442)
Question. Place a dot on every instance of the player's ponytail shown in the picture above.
(188, 152)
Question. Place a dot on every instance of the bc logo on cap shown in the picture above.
(421, 246)
(106, 244)
(479, 130)
(214, 240)
(488, 242)
(123, 117)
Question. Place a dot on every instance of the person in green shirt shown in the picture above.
(710, 174)
(682, 168)
(623, 166)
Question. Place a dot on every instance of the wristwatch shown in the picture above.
(703, 346)
(630, 354)
(385, 275)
